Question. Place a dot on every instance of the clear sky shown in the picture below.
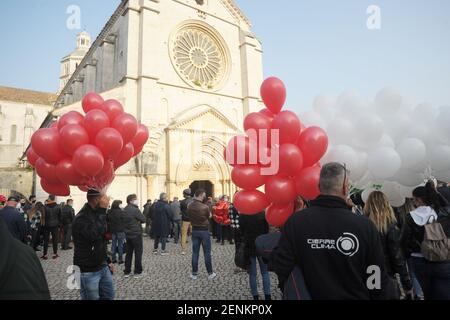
(315, 46)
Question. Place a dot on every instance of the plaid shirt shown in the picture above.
(234, 216)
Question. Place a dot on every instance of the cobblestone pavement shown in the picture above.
(166, 277)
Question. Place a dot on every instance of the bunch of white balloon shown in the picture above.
(389, 143)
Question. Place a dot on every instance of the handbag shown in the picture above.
(241, 258)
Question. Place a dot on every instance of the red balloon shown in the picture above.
(45, 142)
(241, 150)
(314, 143)
(137, 151)
(92, 101)
(32, 157)
(127, 126)
(54, 125)
(57, 189)
(88, 160)
(66, 173)
(289, 127)
(257, 122)
(95, 121)
(280, 189)
(110, 142)
(273, 93)
(72, 137)
(250, 202)
(278, 214)
(47, 171)
(291, 159)
(112, 108)
(267, 113)
(248, 177)
(307, 183)
(72, 117)
(105, 177)
(141, 137)
(124, 156)
(83, 188)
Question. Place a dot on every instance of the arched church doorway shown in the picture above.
(205, 185)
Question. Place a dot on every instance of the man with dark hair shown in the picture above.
(133, 231)
(67, 216)
(199, 215)
(90, 253)
(186, 223)
(51, 225)
(14, 219)
(339, 253)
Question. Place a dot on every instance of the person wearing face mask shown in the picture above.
(67, 216)
(133, 232)
(90, 249)
(338, 253)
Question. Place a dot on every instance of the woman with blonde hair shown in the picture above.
(378, 209)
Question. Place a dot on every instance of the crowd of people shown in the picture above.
(334, 247)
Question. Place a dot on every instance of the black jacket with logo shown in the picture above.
(336, 250)
(90, 245)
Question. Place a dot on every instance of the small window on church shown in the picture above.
(82, 42)
(13, 134)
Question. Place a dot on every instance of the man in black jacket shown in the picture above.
(339, 253)
(67, 216)
(21, 273)
(133, 231)
(90, 252)
(14, 219)
(52, 221)
(186, 223)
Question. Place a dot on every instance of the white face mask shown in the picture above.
(121, 206)
(135, 202)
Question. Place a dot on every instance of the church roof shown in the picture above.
(231, 4)
(26, 96)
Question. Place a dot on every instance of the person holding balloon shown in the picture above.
(222, 218)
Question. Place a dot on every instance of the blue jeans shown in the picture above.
(434, 278)
(117, 245)
(201, 238)
(253, 279)
(97, 285)
(416, 285)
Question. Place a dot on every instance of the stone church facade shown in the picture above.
(188, 69)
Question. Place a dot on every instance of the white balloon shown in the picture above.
(397, 125)
(340, 131)
(384, 162)
(407, 178)
(324, 106)
(440, 157)
(312, 118)
(357, 172)
(425, 114)
(412, 151)
(343, 154)
(442, 175)
(406, 192)
(366, 193)
(420, 131)
(368, 129)
(351, 104)
(388, 100)
(442, 124)
(385, 141)
(393, 191)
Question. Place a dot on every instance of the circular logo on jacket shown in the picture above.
(348, 244)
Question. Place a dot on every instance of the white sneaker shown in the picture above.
(138, 276)
(164, 253)
(193, 277)
(155, 251)
(183, 253)
(212, 276)
(127, 276)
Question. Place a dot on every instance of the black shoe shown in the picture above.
(120, 262)
(231, 242)
(268, 297)
(255, 298)
(36, 249)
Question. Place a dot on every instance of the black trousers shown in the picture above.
(226, 234)
(54, 231)
(36, 237)
(67, 235)
(134, 245)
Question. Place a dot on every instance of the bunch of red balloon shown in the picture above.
(85, 151)
(297, 153)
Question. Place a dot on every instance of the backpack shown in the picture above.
(435, 246)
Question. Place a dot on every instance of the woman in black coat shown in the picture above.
(251, 228)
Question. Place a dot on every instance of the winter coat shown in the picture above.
(133, 221)
(52, 214)
(116, 219)
(251, 228)
(184, 206)
(161, 219)
(90, 245)
(198, 214)
(14, 222)
(175, 209)
(67, 215)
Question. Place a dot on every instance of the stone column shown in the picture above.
(108, 47)
(91, 76)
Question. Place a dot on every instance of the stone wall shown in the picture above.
(19, 180)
